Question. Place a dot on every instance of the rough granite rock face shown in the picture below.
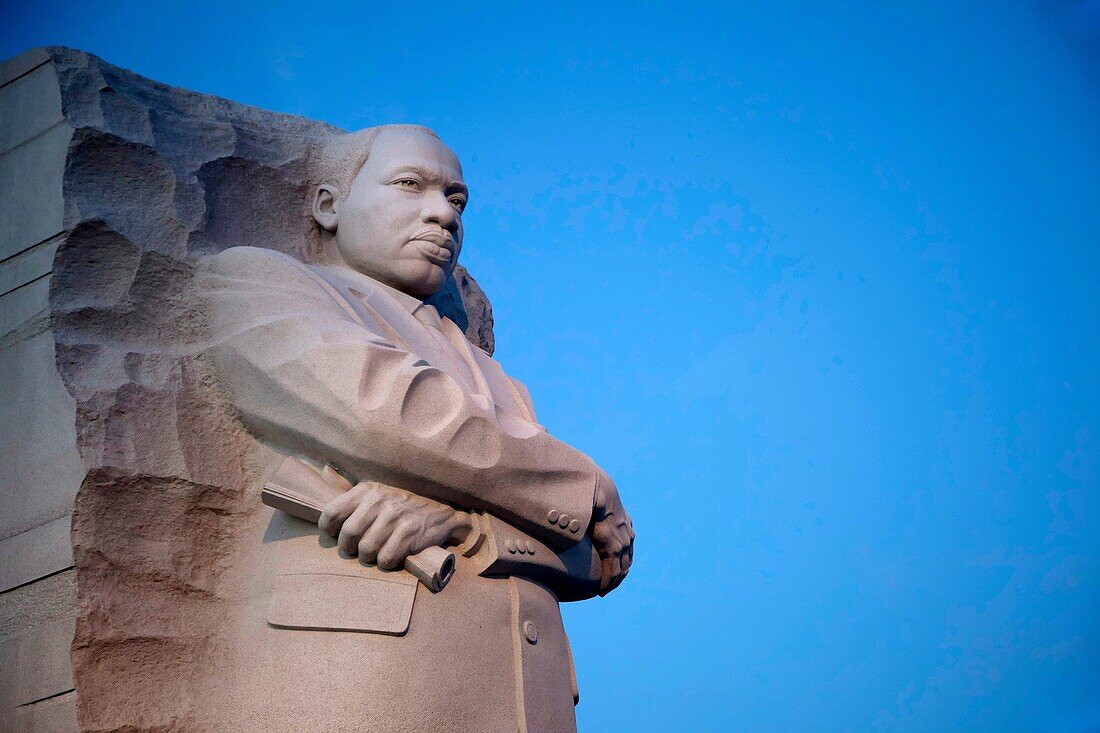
(155, 177)
(181, 174)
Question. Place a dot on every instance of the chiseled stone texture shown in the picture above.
(177, 174)
(111, 185)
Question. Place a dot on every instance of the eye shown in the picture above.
(458, 202)
(410, 183)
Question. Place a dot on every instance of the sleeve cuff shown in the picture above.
(571, 522)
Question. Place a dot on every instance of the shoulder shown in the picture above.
(524, 398)
(260, 270)
(245, 284)
(254, 263)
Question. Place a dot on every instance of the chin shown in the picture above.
(427, 282)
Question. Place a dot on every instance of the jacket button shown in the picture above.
(574, 526)
(530, 547)
(552, 515)
(563, 521)
(530, 632)
(510, 545)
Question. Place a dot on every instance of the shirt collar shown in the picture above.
(366, 283)
(409, 302)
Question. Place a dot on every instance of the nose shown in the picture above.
(438, 210)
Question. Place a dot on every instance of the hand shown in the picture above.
(612, 535)
(384, 525)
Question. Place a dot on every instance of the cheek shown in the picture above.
(395, 219)
(355, 220)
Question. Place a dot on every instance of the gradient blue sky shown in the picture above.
(817, 282)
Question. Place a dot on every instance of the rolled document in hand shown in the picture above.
(301, 492)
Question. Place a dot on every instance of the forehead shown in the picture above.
(394, 149)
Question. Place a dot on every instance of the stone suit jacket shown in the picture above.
(329, 364)
(364, 384)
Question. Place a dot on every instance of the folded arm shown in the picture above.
(309, 374)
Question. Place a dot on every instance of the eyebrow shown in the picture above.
(433, 177)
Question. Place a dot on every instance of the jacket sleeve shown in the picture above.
(308, 374)
(573, 574)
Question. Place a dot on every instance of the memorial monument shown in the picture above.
(261, 471)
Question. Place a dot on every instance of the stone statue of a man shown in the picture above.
(341, 364)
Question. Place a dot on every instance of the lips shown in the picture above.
(437, 246)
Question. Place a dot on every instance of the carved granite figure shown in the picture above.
(215, 321)
(343, 364)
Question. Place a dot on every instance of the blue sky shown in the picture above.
(816, 282)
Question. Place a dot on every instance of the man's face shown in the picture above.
(401, 223)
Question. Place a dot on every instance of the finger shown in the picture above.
(397, 547)
(618, 577)
(616, 573)
(605, 574)
(377, 534)
(614, 569)
(626, 558)
(358, 523)
(601, 538)
(336, 511)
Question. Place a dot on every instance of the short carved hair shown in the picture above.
(338, 159)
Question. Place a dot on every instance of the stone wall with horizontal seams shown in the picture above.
(40, 467)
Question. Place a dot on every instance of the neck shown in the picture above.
(330, 253)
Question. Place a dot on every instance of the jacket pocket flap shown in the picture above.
(335, 602)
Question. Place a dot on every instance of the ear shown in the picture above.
(326, 202)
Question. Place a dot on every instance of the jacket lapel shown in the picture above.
(382, 312)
